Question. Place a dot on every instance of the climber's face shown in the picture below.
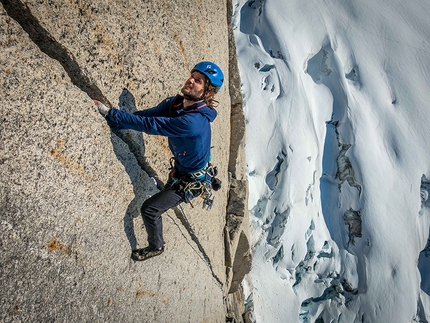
(194, 87)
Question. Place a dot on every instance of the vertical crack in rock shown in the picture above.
(180, 214)
(20, 12)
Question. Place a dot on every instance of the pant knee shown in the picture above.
(145, 209)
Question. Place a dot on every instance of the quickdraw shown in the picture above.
(199, 189)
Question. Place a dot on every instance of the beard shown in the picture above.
(189, 96)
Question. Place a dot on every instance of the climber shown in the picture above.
(185, 120)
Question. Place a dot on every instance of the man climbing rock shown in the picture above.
(185, 119)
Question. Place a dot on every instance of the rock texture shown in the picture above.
(71, 189)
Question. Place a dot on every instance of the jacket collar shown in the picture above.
(178, 104)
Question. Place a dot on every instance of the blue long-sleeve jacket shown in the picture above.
(188, 129)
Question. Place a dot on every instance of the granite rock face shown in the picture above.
(71, 189)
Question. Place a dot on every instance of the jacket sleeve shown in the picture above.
(160, 110)
(182, 126)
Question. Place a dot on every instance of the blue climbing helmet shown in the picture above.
(212, 71)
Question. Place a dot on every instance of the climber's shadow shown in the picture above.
(124, 143)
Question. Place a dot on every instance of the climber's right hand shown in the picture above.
(104, 110)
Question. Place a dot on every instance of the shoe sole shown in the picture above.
(144, 254)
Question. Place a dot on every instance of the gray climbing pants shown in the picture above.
(153, 208)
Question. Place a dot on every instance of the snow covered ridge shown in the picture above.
(338, 158)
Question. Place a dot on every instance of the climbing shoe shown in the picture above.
(145, 253)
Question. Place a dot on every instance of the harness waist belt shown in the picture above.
(199, 173)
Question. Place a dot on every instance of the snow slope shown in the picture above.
(338, 152)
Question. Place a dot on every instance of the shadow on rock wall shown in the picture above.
(51, 47)
(144, 184)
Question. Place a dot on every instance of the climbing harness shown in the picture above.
(195, 184)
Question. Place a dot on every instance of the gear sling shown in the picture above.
(195, 184)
